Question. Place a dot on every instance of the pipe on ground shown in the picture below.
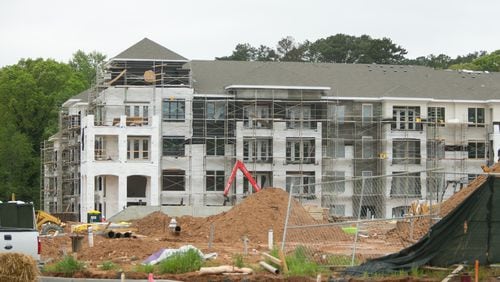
(269, 267)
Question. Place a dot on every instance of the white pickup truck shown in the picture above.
(18, 233)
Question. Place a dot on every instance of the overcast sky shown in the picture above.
(205, 29)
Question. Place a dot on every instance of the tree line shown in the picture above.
(33, 90)
(348, 49)
(31, 93)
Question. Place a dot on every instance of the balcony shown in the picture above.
(102, 155)
(132, 121)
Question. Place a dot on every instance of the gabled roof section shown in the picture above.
(147, 49)
(82, 97)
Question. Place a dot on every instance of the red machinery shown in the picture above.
(239, 165)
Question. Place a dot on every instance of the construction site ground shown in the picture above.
(251, 219)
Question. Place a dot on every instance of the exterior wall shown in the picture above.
(116, 131)
(110, 124)
(455, 132)
(116, 168)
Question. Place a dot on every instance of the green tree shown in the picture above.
(242, 52)
(440, 61)
(289, 50)
(87, 64)
(380, 51)
(333, 49)
(265, 53)
(468, 58)
(31, 93)
(339, 48)
(443, 61)
(487, 62)
(18, 165)
(342, 48)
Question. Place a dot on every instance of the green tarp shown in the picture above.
(471, 231)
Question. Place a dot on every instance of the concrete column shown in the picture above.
(496, 142)
(279, 155)
(155, 155)
(122, 141)
(238, 181)
(197, 171)
(87, 196)
(154, 191)
(87, 172)
(122, 192)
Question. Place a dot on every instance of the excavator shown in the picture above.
(239, 165)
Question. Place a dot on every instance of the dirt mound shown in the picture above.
(451, 203)
(257, 214)
(154, 224)
(253, 218)
(420, 226)
(265, 210)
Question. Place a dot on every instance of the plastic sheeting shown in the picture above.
(470, 232)
(163, 254)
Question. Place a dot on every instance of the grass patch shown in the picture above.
(341, 260)
(413, 273)
(181, 263)
(238, 260)
(145, 268)
(107, 265)
(275, 252)
(68, 266)
(300, 265)
(416, 272)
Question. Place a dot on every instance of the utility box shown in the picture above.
(94, 216)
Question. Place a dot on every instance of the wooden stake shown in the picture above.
(476, 268)
(453, 273)
(271, 258)
(283, 260)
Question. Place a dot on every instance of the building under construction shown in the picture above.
(159, 129)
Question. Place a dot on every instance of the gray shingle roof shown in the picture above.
(149, 50)
(348, 80)
(82, 96)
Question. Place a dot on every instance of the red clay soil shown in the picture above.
(251, 218)
(422, 225)
(449, 205)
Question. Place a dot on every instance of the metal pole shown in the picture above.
(357, 223)
(286, 218)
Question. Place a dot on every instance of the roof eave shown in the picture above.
(281, 87)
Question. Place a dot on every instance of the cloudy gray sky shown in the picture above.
(202, 29)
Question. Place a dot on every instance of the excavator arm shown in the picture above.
(239, 165)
